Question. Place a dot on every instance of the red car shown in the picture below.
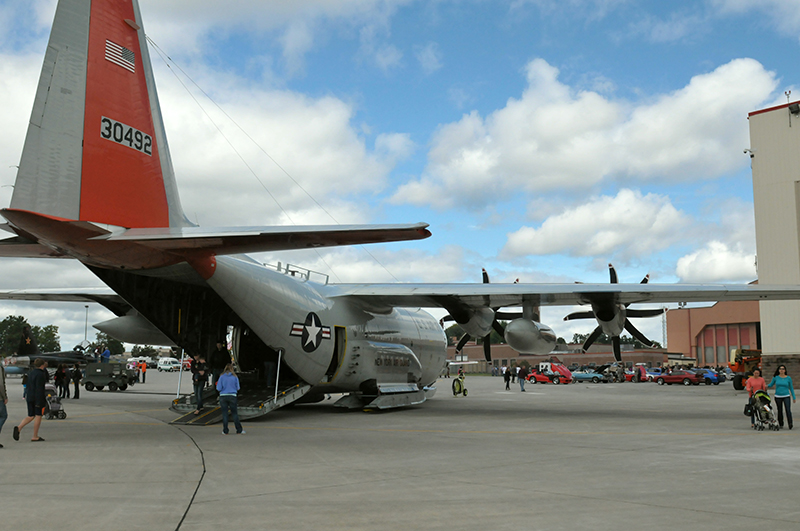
(678, 376)
(558, 376)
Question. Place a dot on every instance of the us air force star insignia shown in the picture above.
(311, 332)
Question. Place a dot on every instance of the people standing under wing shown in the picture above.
(507, 378)
(76, 379)
(36, 400)
(143, 370)
(784, 388)
(3, 399)
(199, 380)
(228, 387)
(755, 383)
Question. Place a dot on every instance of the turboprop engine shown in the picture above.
(530, 337)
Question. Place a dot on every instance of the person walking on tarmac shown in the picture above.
(143, 370)
(755, 383)
(36, 399)
(784, 389)
(218, 360)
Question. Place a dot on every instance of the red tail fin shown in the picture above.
(97, 87)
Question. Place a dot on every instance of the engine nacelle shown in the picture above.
(480, 324)
(530, 337)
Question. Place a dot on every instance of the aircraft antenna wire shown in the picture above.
(169, 61)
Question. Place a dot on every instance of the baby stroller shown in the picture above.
(763, 412)
(54, 408)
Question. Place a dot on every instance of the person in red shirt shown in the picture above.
(755, 383)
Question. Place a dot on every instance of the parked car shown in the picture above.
(709, 376)
(589, 376)
(537, 376)
(679, 376)
(168, 364)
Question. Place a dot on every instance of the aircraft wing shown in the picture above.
(382, 297)
(103, 296)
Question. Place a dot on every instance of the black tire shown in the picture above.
(465, 392)
(49, 416)
(595, 379)
(687, 382)
(89, 386)
(716, 383)
(708, 381)
(557, 380)
(99, 387)
(738, 382)
(456, 386)
(660, 381)
(112, 386)
(62, 414)
(123, 387)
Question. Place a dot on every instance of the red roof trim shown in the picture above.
(772, 108)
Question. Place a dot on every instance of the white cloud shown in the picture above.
(784, 14)
(554, 137)
(314, 140)
(429, 57)
(717, 262)
(628, 224)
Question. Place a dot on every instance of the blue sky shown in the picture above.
(540, 139)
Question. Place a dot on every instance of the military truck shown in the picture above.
(115, 376)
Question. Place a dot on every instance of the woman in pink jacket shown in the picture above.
(755, 383)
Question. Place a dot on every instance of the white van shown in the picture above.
(168, 364)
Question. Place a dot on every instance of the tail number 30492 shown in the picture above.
(126, 135)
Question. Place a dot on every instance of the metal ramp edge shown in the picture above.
(213, 414)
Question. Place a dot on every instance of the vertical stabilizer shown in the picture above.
(96, 149)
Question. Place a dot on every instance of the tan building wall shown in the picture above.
(775, 146)
(708, 334)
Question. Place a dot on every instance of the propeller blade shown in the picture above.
(485, 276)
(591, 339)
(646, 279)
(498, 328)
(487, 348)
(612, 273)
(617, 351)
(646, 313)
(636, 334)
(508, 315)
(462, 342)
(579, 315)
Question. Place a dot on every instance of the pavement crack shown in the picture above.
(199, 482)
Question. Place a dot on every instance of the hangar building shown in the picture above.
(775, 156)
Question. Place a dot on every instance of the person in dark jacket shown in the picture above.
(36, 399)
(199, 380)
(218, 360)
(76, 379)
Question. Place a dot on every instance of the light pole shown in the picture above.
(86, 325)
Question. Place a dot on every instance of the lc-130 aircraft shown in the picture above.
(96, 184)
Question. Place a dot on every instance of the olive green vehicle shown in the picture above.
(114, 376)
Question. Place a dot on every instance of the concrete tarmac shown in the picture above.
(581, 456)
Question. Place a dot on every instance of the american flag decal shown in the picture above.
(119, 55)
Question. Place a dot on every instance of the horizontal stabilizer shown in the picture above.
(240, 240)
(150, 248)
